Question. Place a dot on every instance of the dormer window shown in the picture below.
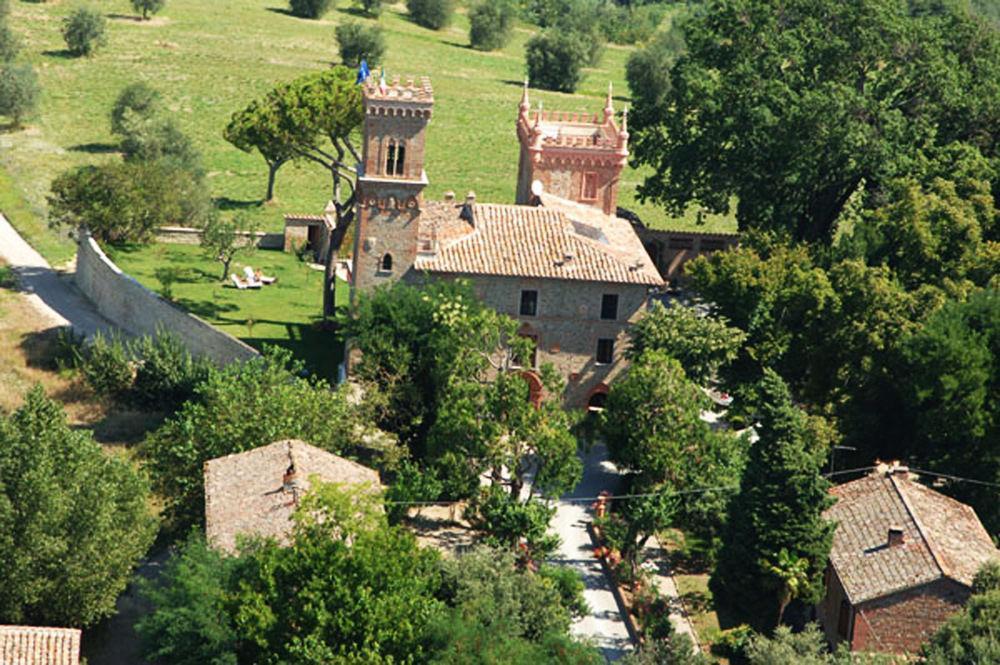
(395, 157)
(385, 265)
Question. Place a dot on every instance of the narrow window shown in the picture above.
(529, 303)
(400, 158)
(386, 264)
(844, 619)
(390, 158)
(589, 192)
(605, 351)
(609, 307)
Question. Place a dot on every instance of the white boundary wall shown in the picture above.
(185, 235)
(134, 308)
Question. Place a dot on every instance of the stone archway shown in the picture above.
(536, 391)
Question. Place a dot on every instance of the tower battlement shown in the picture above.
(577, 156)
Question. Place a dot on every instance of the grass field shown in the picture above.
(209, 59)
(284, 313)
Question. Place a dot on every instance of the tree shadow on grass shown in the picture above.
(356, 12)
(62, 54)
(286, 12)
(226, 203)
(205, 309)
(95, 148)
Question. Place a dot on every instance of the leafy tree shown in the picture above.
(239, 408)
(653, 427)
(149, 138)
(190, 624)
(19, 92)
(224, 239)
(314, 116)
(74, 521)
(138, 99)
(4, 9)
(490, 24)
(759, 115)
(647, 71)
(10, 43)
(555, 60)
(677, 650)
(255, 128)
(106, 366)
(359, 41)
(485, 416)
(370, 7)
(778, 509)
(126, 202)
(84, 31)
(147, 7)
(410, 484)
(701, 342)
(166, 374)
(952, 397)
(971, 637)
(432, 14)
(310, 8)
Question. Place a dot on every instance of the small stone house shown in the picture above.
(575, 276)
(32, 645)
(902, 562)
(254, 493)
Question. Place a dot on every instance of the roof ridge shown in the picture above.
(916, 521)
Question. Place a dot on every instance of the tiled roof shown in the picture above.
(29, 645)
(557, 240)
(247, 493)
(941, 537)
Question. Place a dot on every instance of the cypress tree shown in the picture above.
(776, 542)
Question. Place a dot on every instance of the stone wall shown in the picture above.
(568, 324)
(185, 235)
(139, 311)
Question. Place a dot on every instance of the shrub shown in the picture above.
(137, 99)
(433, 14)
(19, 91)
(490, 24)
(4, 9)
(147, 7)
(555, 60)
(370, 7)
(154, 138)
(360, 41)
(411, 484)
(10, 43)
(309, 8)
(84, 31)
(166, 374)
(106, 365)
(630, 25)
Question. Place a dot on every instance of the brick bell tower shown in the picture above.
(391, 180)
(576, 156)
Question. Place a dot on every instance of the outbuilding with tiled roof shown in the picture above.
(902, 561)
(34, 645)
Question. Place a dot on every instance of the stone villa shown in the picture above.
(558, 260)
(902, 561)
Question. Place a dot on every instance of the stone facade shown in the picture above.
(670, 250)
(574, 156)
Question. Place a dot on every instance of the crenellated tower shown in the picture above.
(391, 180)
(575, 156)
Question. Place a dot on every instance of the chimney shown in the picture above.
(449, 196)
(467, 207)
(896, 536)
(288, 479)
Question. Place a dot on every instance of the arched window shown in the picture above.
(395, 157)
(597, 401)
(386, 264)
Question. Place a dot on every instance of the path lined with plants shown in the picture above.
(52, 295)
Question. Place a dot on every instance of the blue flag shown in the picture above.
(363, 72)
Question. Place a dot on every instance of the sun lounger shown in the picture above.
(240, 284)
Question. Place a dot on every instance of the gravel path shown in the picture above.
(604, 625)
(52, 294)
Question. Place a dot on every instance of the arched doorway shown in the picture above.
(597, 398)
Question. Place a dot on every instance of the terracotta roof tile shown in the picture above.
(558, 240)
(29, 645)
(245, 493)
(941, 537)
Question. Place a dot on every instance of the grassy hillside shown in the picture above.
(211, 58)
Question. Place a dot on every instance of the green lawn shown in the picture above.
(210, 58)
(285, 313)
